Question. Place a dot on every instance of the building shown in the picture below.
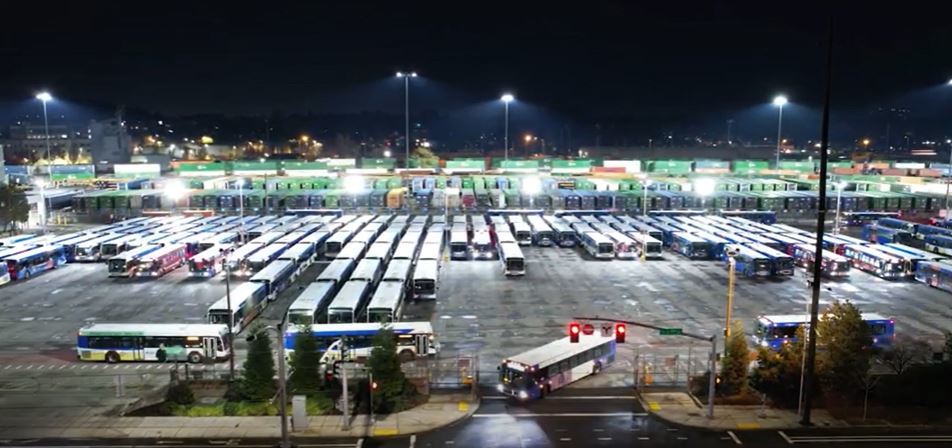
(109, 142)
(25, 142)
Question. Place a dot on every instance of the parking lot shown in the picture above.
(478, 310)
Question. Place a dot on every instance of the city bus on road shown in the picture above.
(310, 304)
(775, 331)
(152, 342)
(833, 265)
(246, 302)
(161, 261)
(126, 263)
(512, 260)
(537, 372)
(414, 339)
(35, 261)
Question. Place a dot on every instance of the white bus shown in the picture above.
(505, 237)
(522, 232)
(386, 303)
(336, 242)
(309, 305)
(404, 252)
(483, 245)
(365, 236)
(597, 245)
(434, 236)
(542, 233)
(89, 250)
(430, 252)
(352, 251)
(336, 272)
(276, 277)
(379, 251)
(625, 247)
(459, 245)
(161, 261)
(398, 271)
(152, 342)
(368, 270)
(651, 247)
(425, 277)
(261, 258)
(125, 264)
(236, 259)
(300, 253)
(513, 262)
(347, 303)
(412, 237)
(246, 300)
(537, 372)
(414, 339)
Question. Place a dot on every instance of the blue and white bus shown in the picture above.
(691, 246)
(309, 306)
(775, 331)
(152, 342)
(781, 264)
(876, 262)
(35, 261)
(126, 264)
(347, 304)
(832, 265)
(751, 263)
(537, 372)
(247, 300)
(512, 260)
(939, 244)
(877, 233)
(276, 277)
(414, 339)
(935, 274)
(542, 233)
(89, 250)
(597, 245)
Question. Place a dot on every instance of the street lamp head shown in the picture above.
(531, 185)
(528, 138)
(386, 153)
(507, 98)
(399, 74)
(44, 96)
(950, 82)
(413, 74)
(779, 100)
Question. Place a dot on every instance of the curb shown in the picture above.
(473, 407)
(738, 427)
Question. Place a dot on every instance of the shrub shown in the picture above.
(180, 393)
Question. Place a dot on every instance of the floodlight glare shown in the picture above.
(779, 100)
(399, 74)
(531, 185)
(353, 184)
(507, 98)
(44, 96)
(174, 190)
(704, 186)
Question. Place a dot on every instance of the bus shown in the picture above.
(354, 250)
(542, 233)
(246, 302)
(512, 260)
(405, 251)
(537, 372)
(276, 277)
(860, 218)
(398, 271)
(336, 272)
(348, 302)
(833, 265)
(876, 233)
(625, 247)
(336, 242)
(310, 304)
(114, 247)
(923, 231)
(563, 234)
(152, 342)
(386, 303)
(647, 246)
(89, 250)
(916, 253)
(368, 270)
(522, 232)
(750, 262)
(691, 246)
(161, 261)
(34, 261)
(597, 245)
(505, 236)
(935, 274)
(483, 246)
(301, 254)
(379, 251)
(781, 264)
(874, 261)
(425, 279)
(126, 263)
(775, 331)
(261, 259)
(226, 239)
(236, 260)
(208, 262)
(430, 252)
(414, 340)
(16, 239)
(939, 244)
(459, 245)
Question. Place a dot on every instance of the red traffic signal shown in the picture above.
(620, 332)
(373, 385)
(574, 330)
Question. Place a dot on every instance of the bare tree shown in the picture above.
(906, 352)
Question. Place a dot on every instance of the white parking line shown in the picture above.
(784, 435)
(734, 437)
(565, 414)
(565, 439)
(605, 439)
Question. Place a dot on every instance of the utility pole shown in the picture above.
(345, 404)
(231, 323)
(820, 225)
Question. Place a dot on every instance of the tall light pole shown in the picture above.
(406, 114)
(948, 174)
(779, 101)
(644, 213)
(241, 211)
(506, 99)
(45, 97)
(839, 193)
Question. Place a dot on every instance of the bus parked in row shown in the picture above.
(647, 246)
(309, 306)
(871, 260)
(483, 245)
(512, 260)
(597, 245)
(247, 300)
(778, 330)
(425, 279)
(161, 261)
(832, 265)
(459, 245)
(386, 303)
(276, 277)
(336, 273)
(347, 304)
(126, 263)
(35, 261)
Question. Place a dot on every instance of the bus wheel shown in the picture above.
(112, 357)
(596, 368)
(194, 357)
(407, 355)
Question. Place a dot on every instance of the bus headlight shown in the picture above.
(500, 388)
(523, 395)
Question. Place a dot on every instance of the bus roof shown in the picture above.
(272, 270)
(398, 270)
(335, 270)
(349, 295)
(149, 329)
(798, 319)
(165, 250)
(557, 350)
(32, 252)
(366, 329)
(136, 252)
(312, 297)
(387, 296)
(366, 269)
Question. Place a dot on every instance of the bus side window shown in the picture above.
(565, 366)
(553, 370)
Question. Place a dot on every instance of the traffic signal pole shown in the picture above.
(712, 339)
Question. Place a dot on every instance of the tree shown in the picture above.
(304, 378)
(778, 372)
(384, 364)
(906, 352)
(14, 208)
(425, 158)
(845, 340)
(258, 381)
(736, 362)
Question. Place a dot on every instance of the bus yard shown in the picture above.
(474, 307)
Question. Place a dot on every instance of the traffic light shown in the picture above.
(620, 331)
(574, 330)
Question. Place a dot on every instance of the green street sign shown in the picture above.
(670, 331)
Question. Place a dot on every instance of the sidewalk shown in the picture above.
(441, 410)
(680, 408)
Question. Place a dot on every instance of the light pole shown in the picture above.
(948, 174)
(644, 213)
(406, 114)
(46, 97)
(839, 193)
(241, 210)
(779, 101)
(731, 270)
(506, 99)
(282, 381)
(231, 322)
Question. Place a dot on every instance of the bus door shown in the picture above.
(138, 349)
(422, 345)
(208, 346)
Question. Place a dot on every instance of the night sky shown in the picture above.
(624, 62)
